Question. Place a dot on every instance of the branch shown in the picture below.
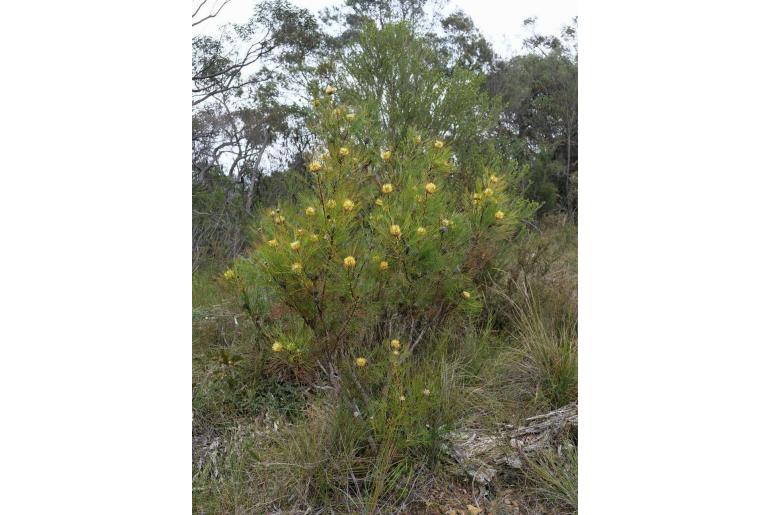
(199, 8)
(213, 15)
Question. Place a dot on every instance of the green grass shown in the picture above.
(554, 478)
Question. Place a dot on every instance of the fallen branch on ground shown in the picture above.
(481, 455)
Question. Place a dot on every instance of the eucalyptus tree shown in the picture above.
(239, 113)
(538, 122)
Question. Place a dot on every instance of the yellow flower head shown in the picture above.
(314, 237)
(385, 155)
(387, 188)
(438, 144)
(446, 222)
(488, 192)
(349, 262)
(344, 151)
(277, 347)
(348, 205)
(310, 211)
(279, 219)
(499, 215)
(426, 392)
(294, 245)
(273, 242)
(396, 353)
(494, 179)
(421, 231)
(350, 117)
(300, 231)
(315, 166)
(229, 274)
(379, 202)
(402, 398)
(296, 267)
(331, 204)
(316, 102)
(430, 187)
(272, 212)
(360, 362)
(383, 265)
(330, 89)
(418, 139)
(466, 295)
(395, 344)
(395, 230)
(476, 198)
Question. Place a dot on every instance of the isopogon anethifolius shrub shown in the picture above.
(386, 241)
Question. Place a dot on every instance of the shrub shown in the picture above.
(382, 244)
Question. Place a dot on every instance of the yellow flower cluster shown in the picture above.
(331, 204)
(430, 188)
(383, 265)
(395, 230)
(330, 89)
(438, 144)
(421, 231)
(348, 205)
(315, 166)
(229, 274)
(344, 151)
(360, 362)
(387, 188)
(395, 344)
(296, 267)
(349, 262)
(310, 211)
(277, 347)
(273, 242)
(385, 155)
(294, 245)
(499, 215)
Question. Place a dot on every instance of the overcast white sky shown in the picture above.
(499, 20)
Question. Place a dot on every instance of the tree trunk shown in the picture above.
(253, 184)
(569, 160)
